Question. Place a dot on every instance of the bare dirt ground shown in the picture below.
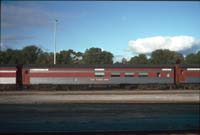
(119, 96)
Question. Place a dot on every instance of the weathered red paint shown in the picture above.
(152, 74)
(11, 69)
(57, 74)
(113, 69)
(57, 69)
(180, 74)
(191, 73)
(10, 72)
(25, 77)
(3, 74)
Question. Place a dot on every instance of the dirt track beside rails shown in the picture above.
(120, 96)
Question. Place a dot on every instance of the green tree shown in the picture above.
(166, 57)
(106, 58)
(97, 56)
(29, 54)
(64, 57)
(45, 58)
(10, 56)
(4, 59)
(78, 58)
(124, 61)
(69, 57)
(140, 59)
(193, 58)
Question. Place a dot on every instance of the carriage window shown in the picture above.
(99, 72)
(115, 74)
(129, 74)
(168, 74)
(158, 74)
(143, 74)
(182, 72)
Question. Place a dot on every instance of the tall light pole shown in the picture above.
(55, 41)
(1, 47)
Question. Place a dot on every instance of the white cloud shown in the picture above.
(175, 43)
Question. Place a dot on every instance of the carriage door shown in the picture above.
(181, 76)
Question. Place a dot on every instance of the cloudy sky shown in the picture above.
(124, 28)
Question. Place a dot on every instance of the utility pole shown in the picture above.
(1, 46)
(55, 41)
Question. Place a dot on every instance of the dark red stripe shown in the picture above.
(191, 74)
(7, 74)
(62, 74)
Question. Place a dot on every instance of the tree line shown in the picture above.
(34, 55)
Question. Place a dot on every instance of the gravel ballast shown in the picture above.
(37, 97)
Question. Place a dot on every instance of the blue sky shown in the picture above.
(125, 28)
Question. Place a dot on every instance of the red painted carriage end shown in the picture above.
(25, 77)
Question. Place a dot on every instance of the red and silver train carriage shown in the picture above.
(8, 74)
(188, 73)
(98, 74)
(102, 75)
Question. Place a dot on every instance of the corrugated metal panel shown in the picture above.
(60, 74)
(192, 80)
(7, 80)
(115, 80)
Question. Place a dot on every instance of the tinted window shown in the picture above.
(143, 74)
(168, 74)
(158, 74)
(115, 74)
(99, 73)
(129, 74)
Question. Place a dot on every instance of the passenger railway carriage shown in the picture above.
(8, 77)
(8, 74)
(100, 75)
(189, 73)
